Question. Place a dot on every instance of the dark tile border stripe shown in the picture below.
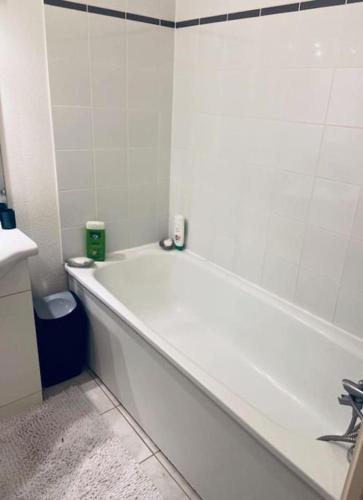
(169, 24)
(185, 24)
(280, 9)
(67, 5)
(106, 12)
(213, 19)
(245, 14)
(318, 4)
(142, 19)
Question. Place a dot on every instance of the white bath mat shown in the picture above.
(63, 450)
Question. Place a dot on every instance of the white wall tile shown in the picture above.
(292, 195)
(351, 44)
(117, 75)
(346, 106)
(142, 230)
(107, 36)
(75, 169)
(257, 187)
(117, 235)
(108, 85)
(341, 157)
(248, 260)
(144, 88)
(317, 294)
(142, 165)
(285, 238)
(224, 251)
(110, 128)
(305, 94)
(299, 147)
(112, 204)
(73, 242)
(353, 269)
(255, 95)
(143, 128)
(76, 207)
(334, 205)
(142, 200)
(349, 311)
(357, 229)
(72, 127)
(318, 37)
(279, 276)
(69, 82)
(143, 45)
(324, 253)
(111, 168)
(162, 198)
(67, 34)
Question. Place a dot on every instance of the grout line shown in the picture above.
(90, 77)
(171, 475)
(130, 422)
(350, 240)
(307, 222)
(106, 411)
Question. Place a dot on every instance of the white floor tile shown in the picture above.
(108, 393)
(193, 495)
(138, 429)
(87, 385)
(131, 441)
(168, 488)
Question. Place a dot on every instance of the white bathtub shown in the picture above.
(233, 383)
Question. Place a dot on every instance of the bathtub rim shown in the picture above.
(287, 446)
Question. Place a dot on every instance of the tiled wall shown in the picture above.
(267, 150)
(111, 92)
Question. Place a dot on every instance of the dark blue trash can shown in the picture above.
(62, 334)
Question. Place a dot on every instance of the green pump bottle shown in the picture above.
(96, 240)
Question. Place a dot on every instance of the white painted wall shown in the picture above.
(267, 155)
(28, 138)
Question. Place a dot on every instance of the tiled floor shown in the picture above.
(170, 483)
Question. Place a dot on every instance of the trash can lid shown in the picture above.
(56, 305)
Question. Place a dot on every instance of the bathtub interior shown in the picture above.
(242, 337)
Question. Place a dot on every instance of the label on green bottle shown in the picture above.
(96, 244)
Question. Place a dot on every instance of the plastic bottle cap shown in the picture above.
(95, 224)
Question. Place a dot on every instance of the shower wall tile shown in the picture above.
(346, 108)
(110, 128)
(333, 205)
(111, 90)
(267, 150)
(76, 206)
(111, 168)
(72, 127)
(75, 169)
(324, 253)
(279, 276)
(341, 157)
(317, 294)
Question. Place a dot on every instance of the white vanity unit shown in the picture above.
(20, 384)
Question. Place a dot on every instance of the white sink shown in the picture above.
(14, 247)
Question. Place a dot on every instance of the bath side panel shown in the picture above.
(216, 455)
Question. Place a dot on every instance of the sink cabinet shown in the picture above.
(20, 385)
